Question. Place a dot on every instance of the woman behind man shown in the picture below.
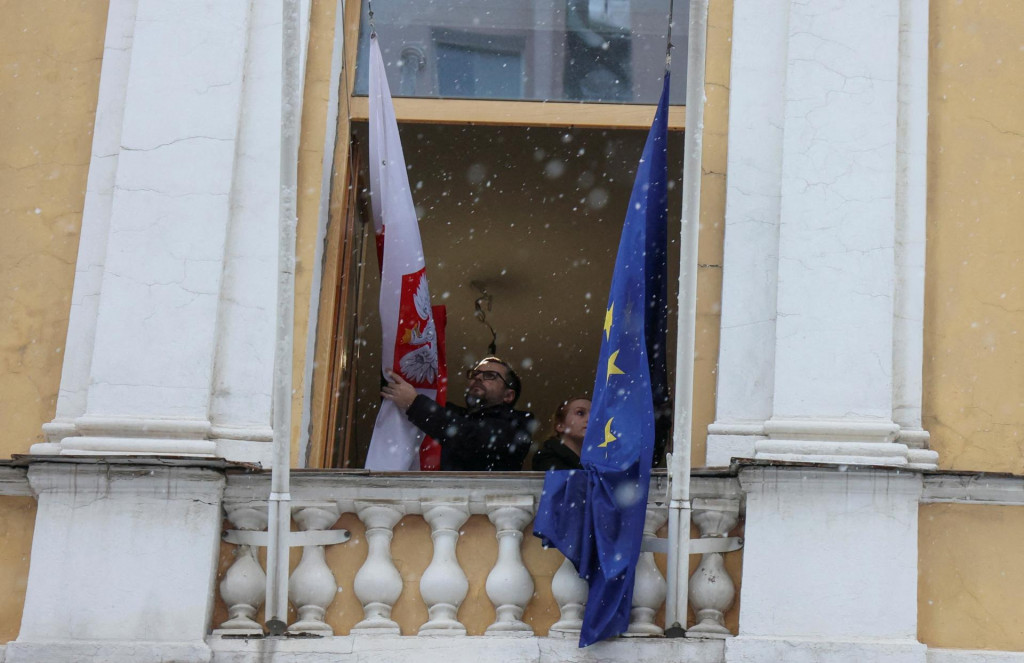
(562, 452)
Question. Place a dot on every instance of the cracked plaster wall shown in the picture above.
(974, 307)
(970, 571)
(17, 520)
(49, 79)
(970, 575)
(50, 53)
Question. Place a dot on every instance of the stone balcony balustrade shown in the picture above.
(449, 555)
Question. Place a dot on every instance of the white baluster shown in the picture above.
(444, 584)
(712, 591)
(312, 586)
(378, 584)
(570, 592)
(649, 587)
(244, 586)
(509, 585)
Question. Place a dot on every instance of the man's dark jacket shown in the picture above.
(494, 438)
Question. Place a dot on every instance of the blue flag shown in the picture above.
(596, 516)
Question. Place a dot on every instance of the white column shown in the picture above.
(746, 361)
(444, 584)
(171, 335)
(711, 591)
(312, 587)
(509, 585)
(244, 587)
(240, 408)
(378, 584)
(92, 243)
(911, 217)
(824, 234)
(124, 560)
(829, 566)
(834, 346)
(649, 586)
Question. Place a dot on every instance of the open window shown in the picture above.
(523, 216)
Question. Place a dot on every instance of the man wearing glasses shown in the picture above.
(488, 434)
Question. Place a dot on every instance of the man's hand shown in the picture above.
(398, 391)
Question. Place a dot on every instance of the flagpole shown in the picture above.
(679, 470)
(279, 505)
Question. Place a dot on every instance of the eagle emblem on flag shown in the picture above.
(416, 344)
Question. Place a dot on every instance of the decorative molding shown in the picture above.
(839, 453)
(824, 479)
(736, 428)
(973, 488)
(142, 427)
(754, 649)
(911, 221)
(973, 656)
(493, 649)
(160, 483)
(137, 445)
(109, 651)
(14, 483)
(845, 431)
(242, 433)
(413, 491)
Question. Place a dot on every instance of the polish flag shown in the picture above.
(412, 345)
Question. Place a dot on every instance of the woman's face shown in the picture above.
(574, 426)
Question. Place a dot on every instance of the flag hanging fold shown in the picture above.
(596, 516)
(410, 335)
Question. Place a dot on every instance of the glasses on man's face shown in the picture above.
(486, 376)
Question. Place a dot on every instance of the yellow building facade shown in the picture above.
(972, 404)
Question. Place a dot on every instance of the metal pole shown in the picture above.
(279, 516)
(679, 469)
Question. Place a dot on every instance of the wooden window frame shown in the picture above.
(334, 338)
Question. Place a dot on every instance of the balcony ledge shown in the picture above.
(437, 649)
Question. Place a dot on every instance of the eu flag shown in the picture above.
(596, 516)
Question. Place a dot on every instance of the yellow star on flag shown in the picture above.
(612, 368)
(608, 321)
(608, 437)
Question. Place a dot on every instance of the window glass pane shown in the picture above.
(470, 72)
(540, 50)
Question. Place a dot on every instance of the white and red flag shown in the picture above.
(412, 339)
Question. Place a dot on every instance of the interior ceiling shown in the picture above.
(534, 216)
